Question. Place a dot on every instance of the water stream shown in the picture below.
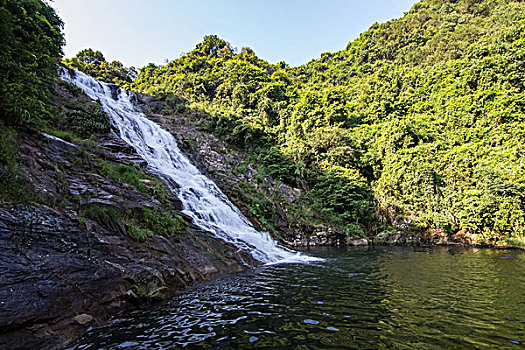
(355, 298)
(202, 200)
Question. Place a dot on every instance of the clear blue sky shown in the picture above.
(137, 32)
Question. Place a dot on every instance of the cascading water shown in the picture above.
(202, 200)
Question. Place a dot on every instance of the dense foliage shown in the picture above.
(30, 49)
(139, 223)
(94, 63)
(422, 116)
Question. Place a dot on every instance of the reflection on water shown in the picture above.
(409, 298)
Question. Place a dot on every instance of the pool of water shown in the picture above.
(370, 298)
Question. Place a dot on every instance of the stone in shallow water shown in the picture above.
(83, 318)
(360, 242)
(128, 344)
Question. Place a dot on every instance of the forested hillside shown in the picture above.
(30, 50)
(419, 122)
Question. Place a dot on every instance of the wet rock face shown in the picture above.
(61, 272)
(58, 279)
(51, 271)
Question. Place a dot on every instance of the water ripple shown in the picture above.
(376, 298)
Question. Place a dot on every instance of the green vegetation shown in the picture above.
(86, 124)
(419, 121)
(151, 291)
(147, 222)
(93, 63)
(106, 216)
(76, 116)
(12, 186)
(260, 206)
(30, 50)
(125, 174)
(139, 223)
(138, 179)
(517, 241)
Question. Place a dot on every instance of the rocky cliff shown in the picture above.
(100, 236)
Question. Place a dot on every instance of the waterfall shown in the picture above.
(202, 200)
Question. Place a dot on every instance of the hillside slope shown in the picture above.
(96, 234)
(418, 123)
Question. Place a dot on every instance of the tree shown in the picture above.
(30, 49)
(94, 63)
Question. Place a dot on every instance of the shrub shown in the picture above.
(86, 124)
(12, 184)
(30, 50)
(156, 222)
(106, 216)
(139, 223)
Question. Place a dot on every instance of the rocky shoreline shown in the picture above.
(63, 272)
(58, 279)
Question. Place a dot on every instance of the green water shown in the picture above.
(372, 298)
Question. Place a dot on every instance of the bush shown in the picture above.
(342, 195)
(87, 124)
(139, 223)
(131, 176)
(12, 184)
(106, 216)
(260, 206)
(157, 223)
